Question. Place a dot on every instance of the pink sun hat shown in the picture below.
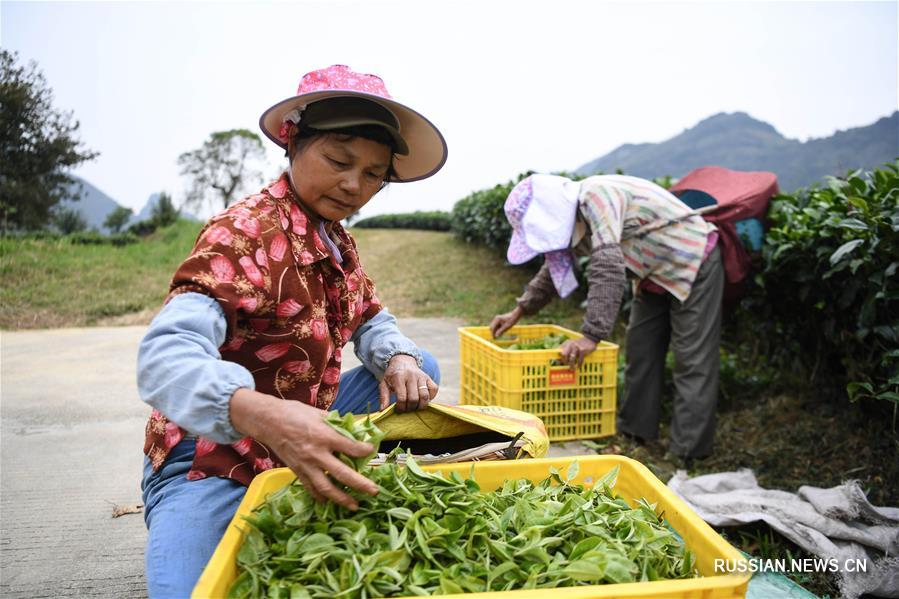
(421, 148)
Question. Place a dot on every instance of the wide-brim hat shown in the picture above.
(421, 148)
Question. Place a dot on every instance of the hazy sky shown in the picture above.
(512, 85)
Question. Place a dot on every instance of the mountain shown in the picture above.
(740, 142)
(94, 205)
(146, 213)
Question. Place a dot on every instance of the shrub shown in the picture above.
(164, 212)
(479, 217)
(117, 219)
(68, 220)
(86, 238)
(142, 228)
(436, 220)
(827, 300)
(95, 238)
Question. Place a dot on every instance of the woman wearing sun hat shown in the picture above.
(244, 360)
(629, 226)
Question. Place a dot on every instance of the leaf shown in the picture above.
(845, 249)
(121, 510)
(298, 591)
(620, 569)
(572, 471)
(855, 390)
(448, 587)
(400, 512)
(890, 333)
(583, 547)
(584, 570)
(416, 470)
(608, 480)
(500, 570)
(854, 224)
(889, 395)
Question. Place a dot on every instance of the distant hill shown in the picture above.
(95, 206)
(147, 211)
(740, 142)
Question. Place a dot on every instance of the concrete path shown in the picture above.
(71, 435)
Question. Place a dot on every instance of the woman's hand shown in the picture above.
(503, 322)
(575, 350)
(298, 434)
(412, 387)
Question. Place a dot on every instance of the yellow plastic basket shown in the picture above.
(634, 481)
(573, 404)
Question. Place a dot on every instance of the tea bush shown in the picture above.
(95, 238)
(436, 220)
(479, 217)
(827, 299)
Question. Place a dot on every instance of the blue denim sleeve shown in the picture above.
(378, 340)
(180, 371)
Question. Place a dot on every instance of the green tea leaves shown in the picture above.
(427, 534)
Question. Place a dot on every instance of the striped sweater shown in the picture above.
(616, 206)
(613, 208)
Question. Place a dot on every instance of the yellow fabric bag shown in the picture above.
(446, 434)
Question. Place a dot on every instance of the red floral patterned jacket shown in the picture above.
(290, 307)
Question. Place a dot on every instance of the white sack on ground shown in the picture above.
(836, 523)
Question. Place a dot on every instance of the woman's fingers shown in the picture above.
(504, 325)
(570, 354)
(399, 390)
(383, 394)
(565, 352)
(349, 477)
(413, 393)
(433, 388)
(308, 485)
(355, 449)
(325, 487)
(424, 392)
(494, 326)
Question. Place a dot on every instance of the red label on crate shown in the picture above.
(564, 376)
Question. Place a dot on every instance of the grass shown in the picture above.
(47, 283)
(434, 274)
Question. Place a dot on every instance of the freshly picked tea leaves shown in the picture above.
(429, 534)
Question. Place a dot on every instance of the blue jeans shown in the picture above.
(186, 519)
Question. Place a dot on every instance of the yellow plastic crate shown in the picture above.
(572, 404)
(634, 481)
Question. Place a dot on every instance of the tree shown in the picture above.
(164, 212)
(37, 145)
(68, 220)
(118, 218)
(222, 167)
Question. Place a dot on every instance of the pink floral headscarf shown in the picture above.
(542, 210)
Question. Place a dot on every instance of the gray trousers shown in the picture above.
(694, 330)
